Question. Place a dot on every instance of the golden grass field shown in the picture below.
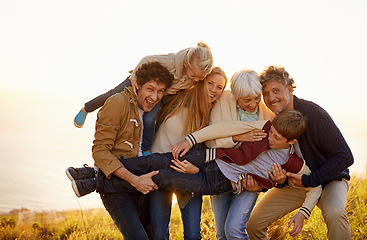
(97, 224)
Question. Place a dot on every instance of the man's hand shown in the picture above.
(180, 149)
(295, 179)
(184, 167)
(252, 136)
(298, 220)
(250, 184)
(278, 174)
(144, 183)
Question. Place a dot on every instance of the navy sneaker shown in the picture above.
(83, 187)
(80, 173)
(80, 118)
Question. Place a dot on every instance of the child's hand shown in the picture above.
(180, 149)
(250, 184)
(252, 136)
(298, 220)
(185, 167)
(278, 174)
(295, 179)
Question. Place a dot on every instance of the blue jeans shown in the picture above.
(209, 181)
(160, 202)
(231, 213)
(130, 213)
(148, 117)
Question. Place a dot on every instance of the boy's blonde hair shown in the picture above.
(203, 56)
(291, 124)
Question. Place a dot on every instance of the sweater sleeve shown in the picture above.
(223, 129)
(324, 148)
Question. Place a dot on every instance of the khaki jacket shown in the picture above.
(118, 130)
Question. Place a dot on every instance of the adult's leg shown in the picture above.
(273, 205)
(149, 127)
(160, 202)
(191, 217)
(332, 204)
(125, 210)
(220, 206)
(238, 215)
(98, 102)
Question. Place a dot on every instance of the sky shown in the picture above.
(72, 51)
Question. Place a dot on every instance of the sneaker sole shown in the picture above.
(69, 175)
(75, 189)
(78, 126)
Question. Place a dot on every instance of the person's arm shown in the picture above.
(331, 146)
(142, 183)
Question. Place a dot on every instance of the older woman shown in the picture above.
(243, 102)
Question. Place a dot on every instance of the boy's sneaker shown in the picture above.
(83, 187)
(80, 119)
(80, 173)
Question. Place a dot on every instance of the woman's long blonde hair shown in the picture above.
(196, 100)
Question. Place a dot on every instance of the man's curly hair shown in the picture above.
(276, 73)
(153, 71)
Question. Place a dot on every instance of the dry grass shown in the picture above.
(96, 223)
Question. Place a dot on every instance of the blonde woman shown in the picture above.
(243, 102)
(188, 66)
(186, 113)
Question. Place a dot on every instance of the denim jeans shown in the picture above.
(148, 117)
(231, 213)
(209, 181)
(160, 202)
(130, 213)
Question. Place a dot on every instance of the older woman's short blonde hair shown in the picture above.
(244, 83)
(203, 56)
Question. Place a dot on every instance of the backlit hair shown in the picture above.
(202, 56)
(219, 71)
(153, 71)
(245, 83)
(291, 124)
(196, 100)
(276, 73)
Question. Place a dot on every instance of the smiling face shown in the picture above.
(278, 97)
(249, 103)
(149, 95)
(215, 85)
(277, 141)
(193, 72)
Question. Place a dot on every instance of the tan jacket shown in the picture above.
(175, 65)
(226, 109)
(118, 130)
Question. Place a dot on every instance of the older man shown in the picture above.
(325, 152)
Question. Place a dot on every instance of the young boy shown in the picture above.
(230, 166)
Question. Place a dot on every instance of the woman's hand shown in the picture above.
(252, 136)
(250, 184)
(180, 149)
(184, 167)
(278, 174)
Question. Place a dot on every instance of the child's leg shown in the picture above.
(209, 181)
(98, 102)
(156, 161)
